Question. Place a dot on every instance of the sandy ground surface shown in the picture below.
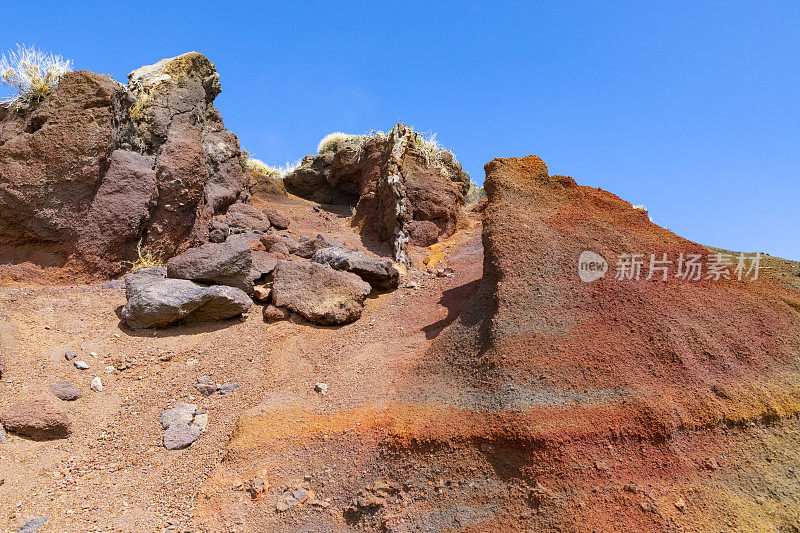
(112, 473)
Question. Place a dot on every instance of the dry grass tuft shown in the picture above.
(32, 74)
(145, 259)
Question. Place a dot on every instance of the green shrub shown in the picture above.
(32, 74)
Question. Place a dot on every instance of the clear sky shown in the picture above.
(690, 108)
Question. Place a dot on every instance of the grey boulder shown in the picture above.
(246, 216)
(180, 435)
(155, 301)
(66, 391)
(226, 263)
(307, 248)
(379, 273)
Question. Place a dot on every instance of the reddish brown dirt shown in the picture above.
(521, 399)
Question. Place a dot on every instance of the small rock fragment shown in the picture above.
(180, 435)
(66, 391)
(200, 421)
(97, 384)
(81, 365)
(321, 388)
(32, 525)
(181, 413)
(70, 355)
(227, 388)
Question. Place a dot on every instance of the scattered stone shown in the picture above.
(286, 503)
(279, 248)
(38, 419)
(278, 220)
(264, 263)
(200, 421)
(109, 369)
(2, 436)
(70, 355)
(318, 292)
(379, 273)
(300, 495)
(680, 504)
(321, 388)
(66, 391)
(273, 313)
(261, 293)
(32, 525)
(258, 488)
(81, 365)
(180, 435)
(309, 247)
(225, 263)
(227, 388)
(206, 389)
(181, 413)
(97, 384)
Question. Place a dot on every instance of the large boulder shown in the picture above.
(226, 263)
(38, 419)
(318, 292)
(97, 168)
(246, 216)
(379, 273)
(156, 301)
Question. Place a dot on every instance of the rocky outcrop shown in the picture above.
(156, 301)
(97, 168)
(37, 419)
(226, 263)
(318, 292)
(379, 273)
(406, 194)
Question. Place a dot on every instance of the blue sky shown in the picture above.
(691, 108)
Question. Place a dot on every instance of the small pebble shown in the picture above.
(96, 384)
(81, 365)
(321, 388)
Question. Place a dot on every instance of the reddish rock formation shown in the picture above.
(403, 197)
(95, 168)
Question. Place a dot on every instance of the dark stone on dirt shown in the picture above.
(307, 248)
(379, 273)
(273, 313)
(64, 390)
(154, 301)
(70, 355)
(38, 419)
(32, 525)
(245, 216)
(264, 263)
(228, 263)
(278, 220)
(318, 292)
(206, 389)
(227, 388)
(180, 435)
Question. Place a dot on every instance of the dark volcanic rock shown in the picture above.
(64, 390)
(154, 301)
(379, 273)
(247, 217)
(318, 292)
(227, 263)
(38, 419)
(310, 180)
(307, 248)
(278, 220)
(94, 169)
